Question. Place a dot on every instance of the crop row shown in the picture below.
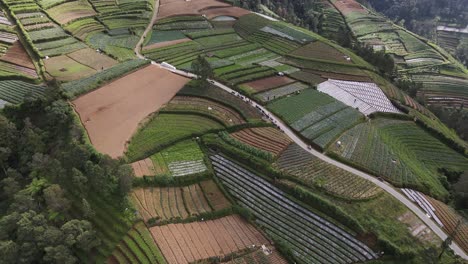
(311, 238)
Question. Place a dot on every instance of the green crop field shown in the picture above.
(315, 115)
(15, 91)
(401, 152)
(165, 129)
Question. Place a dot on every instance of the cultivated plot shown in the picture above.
(112, 113)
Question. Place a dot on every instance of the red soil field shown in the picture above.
(231, 11)
(112, 113)
(170, 8)
(165, 203)
(269, 83)
(450, 218)
(166, 43)
(265, 138)
(185, 243)
(143, 168)
(16, 54)
(321, 51)
(348, 6)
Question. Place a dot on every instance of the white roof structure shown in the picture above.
(366, 97)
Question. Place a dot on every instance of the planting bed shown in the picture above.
(218, 111)
(213, 93)
(268, 83)
(186, 243)
(165, 129)
(321, 51)
(144, 168)
(121, 105)
(401, 152)
(279, 92)
(14, 91)
(63, 68)
(265, 138)
(314, 172)
(450, 218)
(92, 59)
(137, 247)
(183, 158)
(260, 257)
(16, 54)
(311, 238)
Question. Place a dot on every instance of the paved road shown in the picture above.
(387, 187)
(148, 28)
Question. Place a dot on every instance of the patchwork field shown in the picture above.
(313, 172)
(401, 152)
(310, 237)
(165, 129)
(265, 138)
(121, 105)
(180, 159)
(169, 203)
(186, 243)
(450, 218)
(315, 115)
(137, 247)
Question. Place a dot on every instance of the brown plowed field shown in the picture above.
(321, 51)
(144, 168)
(16, 54)
(224, 114)
(166, 43)
(265, 138)
(112, 113)
(185, 243)
(450, 218)
(259, 257)
(170, 8)
(348, 6)
(166, 203)
(269, 83)
(231, 11)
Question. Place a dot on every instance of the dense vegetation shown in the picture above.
(420, 16)
(48, 176)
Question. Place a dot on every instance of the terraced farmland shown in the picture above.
(311, 238)
(137, 247)
(401, 152)
(217, 95)
(314, 172)
(282, 91)
(317, 116)
(168, 128)
(220, 112)
(15, 91)
(450, 218)
(172, 203)
(265, 138)
(183, 158)
(186, 243)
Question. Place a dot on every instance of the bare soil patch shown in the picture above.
(112, 113)
(181, 7)
(92, 59)
(269, 83)
(348, 6)
(165, 43)
(222, 236)
(265, 138)
(231, 11)
(144, 168)
(16, 54)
